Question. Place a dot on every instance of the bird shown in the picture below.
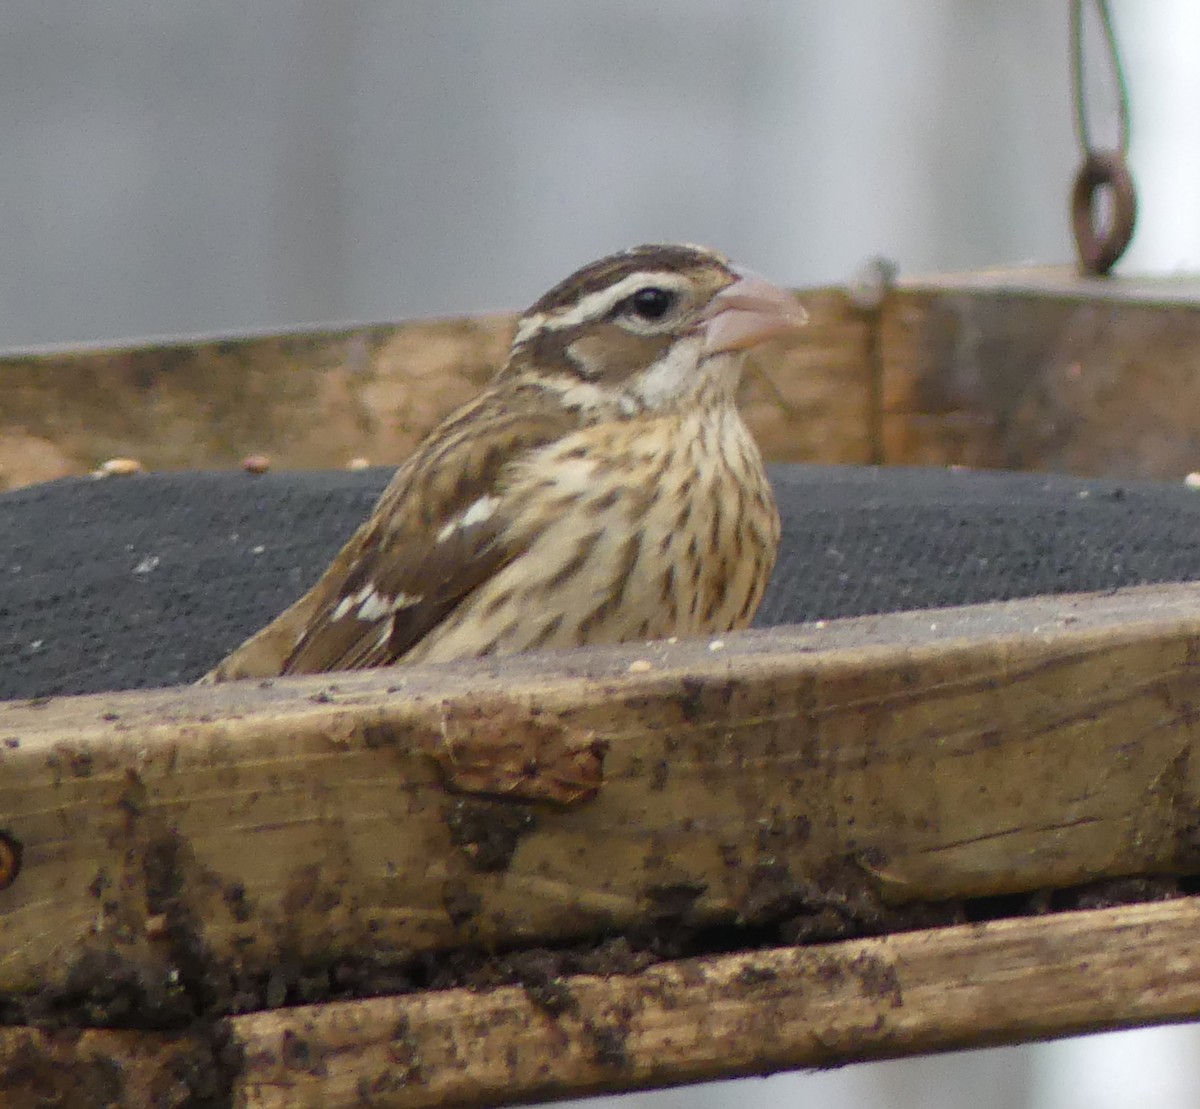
(603, 488)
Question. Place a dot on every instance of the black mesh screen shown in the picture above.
(149, 580)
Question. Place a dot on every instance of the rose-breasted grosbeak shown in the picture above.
(602, 489)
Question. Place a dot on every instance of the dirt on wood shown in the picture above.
(102, 989)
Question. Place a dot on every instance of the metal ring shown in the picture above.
(10, 859)
(1102, 169)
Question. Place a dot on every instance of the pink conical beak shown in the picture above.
(749, 312)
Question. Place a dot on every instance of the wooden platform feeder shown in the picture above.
(461, 885)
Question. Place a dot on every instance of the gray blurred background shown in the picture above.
(174, 167)
(179, 168)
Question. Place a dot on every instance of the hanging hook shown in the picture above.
(1099, 246)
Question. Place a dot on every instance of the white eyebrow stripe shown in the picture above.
(597, 304)
(528, 326)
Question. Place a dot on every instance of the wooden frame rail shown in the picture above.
(720, 1017)
(192, 859)
(1031, 369)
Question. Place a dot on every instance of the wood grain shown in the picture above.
(750, 1013)
(190, 842)
(1043, 371)
(105, 1069)
(745, 1014)
(809, 399)
(305, 399)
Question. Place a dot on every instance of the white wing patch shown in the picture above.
(372, 605)
(473, 514)
(342, 609)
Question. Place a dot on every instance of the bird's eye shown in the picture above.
(651, 303)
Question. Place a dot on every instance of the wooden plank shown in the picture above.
(1020, 369)
(320, 398)
(307, 399)
(1064, 282)
(1030, 369)
(1040, 370)
(1007, 981)
(106, 1069)
(809, 399)
(211, 846)
(747, 1014)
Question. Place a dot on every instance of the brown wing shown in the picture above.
(402, 583)
(433, 538)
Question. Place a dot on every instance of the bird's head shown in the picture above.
(648, 329)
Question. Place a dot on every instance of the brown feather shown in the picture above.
(602, 488)
(396, 551)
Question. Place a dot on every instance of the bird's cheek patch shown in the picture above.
(611, 353)
(585, 358)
